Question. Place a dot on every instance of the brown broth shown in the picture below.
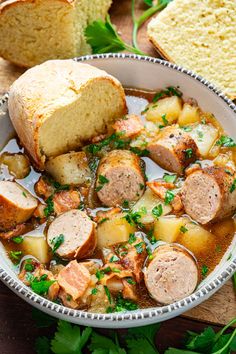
(223, 231)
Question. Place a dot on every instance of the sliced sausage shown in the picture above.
(171, 275)
(74, 279)
(16, 205)
(119, 178)
(79, 235)
(209, 194)
(174, 150)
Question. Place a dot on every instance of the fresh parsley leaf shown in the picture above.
(142, 339)
(124, 305)
(233, 186)
(169, 178)
(17, 239)
(140, 345)
(148, 2)
(179, 351)
(69, 339)
(226, 141)
(169, 196)
(204, 270)
(157, 211)
(57, 242)
(42, 345)
(201, 342)
(104, 345)
(102, 180)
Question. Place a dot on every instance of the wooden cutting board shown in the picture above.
(221, 307)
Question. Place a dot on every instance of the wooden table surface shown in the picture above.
(18, 330)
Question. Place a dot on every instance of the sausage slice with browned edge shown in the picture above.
(119, 178)
(171, 275)
(78, 233)
(210, 194)
(173, 150)
(17, 205)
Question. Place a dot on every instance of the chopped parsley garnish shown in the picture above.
(81, 206)
(170, 91)
(94, 291)
(226, 141)
(114, 259)
(17, 239)
(187, 129)
(15, 256)
(151, 236)
(29, 267)
(132, 238)
(169, 178)
(183, 229)
(103, 220)
(68, 297)
(60, 187)
(139, 247)
(188, 153)
(114, 139)
(140, 152)
(99, 274)
(115, 270)
(124, 305)
(24, 194)
(41, 285)
(169, 197)
(121, 250)
(50, 207)
(141, 186)
(149, 252)
(108, 294)
(218, 248)
(102, 180)
(157, 211)
(233, 186)
(125, 204)
(130, 281)
(204, 270)
(165, 121)
(133, 218)
(57, 242)
(93, 164)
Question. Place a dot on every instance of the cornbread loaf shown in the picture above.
(201, 36)
(33, 31)
(58, 106)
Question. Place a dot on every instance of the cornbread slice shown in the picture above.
(58, 106)
(201, 36)
(32, 32)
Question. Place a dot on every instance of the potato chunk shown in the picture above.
(36, 246)
(115, 230)
(197, 239)
(18, 164)
(189, 115)
(146, 203)
(169, 107)
(71, 168)
(204, 136)
(168, 228)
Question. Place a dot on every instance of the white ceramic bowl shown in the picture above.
(145, 73)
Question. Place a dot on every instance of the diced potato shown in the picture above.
(148, 134)
(204, 136)
(170, 107)
(189, 115)
(18, 164)
(198, 240)
(36, 246)
(115, 230)
(224, 160)
(147, 202)
(167, 228)
(71, 168)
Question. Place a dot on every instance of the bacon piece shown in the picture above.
(74, 279)
(67, 300)
(43, 188)
(98, 138)
(17, 231)
(129, 291)
(130, 126)
(134, 259)
(65, 201)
